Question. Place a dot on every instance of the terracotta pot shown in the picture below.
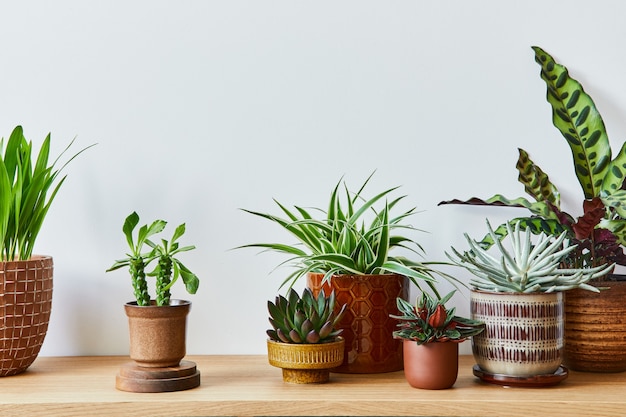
(157, 333)
(431, 365)
(25, 303)
(367, 327)
(595, 329)
(305, 363)
(523, 333)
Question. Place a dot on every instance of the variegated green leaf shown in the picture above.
(617, 201)
(539, 208)
(536, 182)
(616, 173)
(617, 227)
(576, 116)
(536, 225)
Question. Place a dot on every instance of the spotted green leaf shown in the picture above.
(575, 115)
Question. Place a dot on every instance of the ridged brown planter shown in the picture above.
(25, 303)
(524, 333)
(305, 363)
(367, 327)
(595, 329)
(431, 365)
(157, 333)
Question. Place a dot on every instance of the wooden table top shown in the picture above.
(249, 386)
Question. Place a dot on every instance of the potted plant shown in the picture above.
(518, 294)
(594, 340)
(28, 185)
(431, 334)
(345, 251)
(157, 326)
(303, 340)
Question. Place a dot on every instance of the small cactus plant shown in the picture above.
(305, 319)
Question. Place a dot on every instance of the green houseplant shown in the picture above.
(29, 183)
(157, 326)
(518, 293)
(600, 232)
(431, 334)
(349, 249)
(304, 340)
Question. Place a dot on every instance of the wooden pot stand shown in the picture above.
(134, 378)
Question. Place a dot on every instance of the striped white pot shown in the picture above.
(523, 333)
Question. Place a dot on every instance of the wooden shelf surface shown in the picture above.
(249, 386)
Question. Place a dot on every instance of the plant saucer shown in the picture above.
(544, 380)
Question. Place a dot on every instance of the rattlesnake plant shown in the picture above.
(601, 230)
(526, 267)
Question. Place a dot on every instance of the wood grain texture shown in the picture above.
(249, 386)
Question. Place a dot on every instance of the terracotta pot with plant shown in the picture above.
(348, 249)
(28, 185)
(303, 340)
(157, 326)
(431, 334)
(518, 294)
(595, 341)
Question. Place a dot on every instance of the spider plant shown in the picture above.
(527, 267)
(27, 188)
(600, 232)
(342, 242)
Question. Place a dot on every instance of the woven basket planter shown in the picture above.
(305, 363)
(25, 303)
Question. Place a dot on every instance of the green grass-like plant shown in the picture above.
(28, 185)
(342, 242)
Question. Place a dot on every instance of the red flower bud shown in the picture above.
(438, 318)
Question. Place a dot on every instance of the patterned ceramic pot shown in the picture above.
(305, 363)
(524, 333)
(367, 328)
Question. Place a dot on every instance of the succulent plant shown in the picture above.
(304, 320)
(429, 321)
(527, 267)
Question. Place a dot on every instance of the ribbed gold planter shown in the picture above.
(305, 363)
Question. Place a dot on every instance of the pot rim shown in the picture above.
(173, 303)
(521, 294)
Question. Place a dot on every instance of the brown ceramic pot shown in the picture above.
(157, 333)
(367, 327)
(595, 329)
(305, 363)
(25, 303)
(431, 365)
(524, 333)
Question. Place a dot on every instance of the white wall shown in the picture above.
(200, 108)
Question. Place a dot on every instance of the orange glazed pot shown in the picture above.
(157, 333)
(595, 329)
(431, 365)
(367, 327)
(25, 303)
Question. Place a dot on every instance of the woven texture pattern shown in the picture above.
(25, 302)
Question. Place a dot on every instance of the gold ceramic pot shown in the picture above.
(305, 363)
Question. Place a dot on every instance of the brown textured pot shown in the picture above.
(595, 329)
(431, 365)
(25, 303)
(524, 333)
(305, 363)
(367, 327)
(157, 333)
